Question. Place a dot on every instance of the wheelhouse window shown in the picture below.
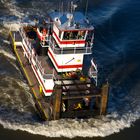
(81, 34)
(74, 35)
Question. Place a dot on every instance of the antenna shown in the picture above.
(62, 6)
(68, 7)
(58, 8)
(73, 7)
(86, 8)
(70, 15)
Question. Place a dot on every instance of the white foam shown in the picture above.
(104, 126)
(6, 42)
(12, 25)
(73, 128)
(9, 22)
(70, 128)
(13, 97)
(7, 54)
(23, 84)
(13, 8)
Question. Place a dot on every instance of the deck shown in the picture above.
(46, 64)
(33, 82)
(40, 101)
(71, 90)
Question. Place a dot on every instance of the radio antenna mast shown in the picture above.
(86, 8)
(62, 6)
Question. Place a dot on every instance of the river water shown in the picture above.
(116, 51)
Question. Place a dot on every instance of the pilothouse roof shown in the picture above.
(67, 21)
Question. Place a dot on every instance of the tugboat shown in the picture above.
(51, 55)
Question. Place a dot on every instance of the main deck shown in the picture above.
(68, 98)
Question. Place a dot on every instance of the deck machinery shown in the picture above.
(51, 55)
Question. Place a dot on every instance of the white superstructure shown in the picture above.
(65, 38)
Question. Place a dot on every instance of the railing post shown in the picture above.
(74, 50)
(14, 36)
(62, 50)
(53, 74)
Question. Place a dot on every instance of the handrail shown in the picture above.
(38, 63)
(70, 50)
(41, 69)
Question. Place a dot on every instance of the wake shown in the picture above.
(17, 106)
(72, 128)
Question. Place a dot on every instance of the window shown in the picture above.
(74, 35)
(81, 34)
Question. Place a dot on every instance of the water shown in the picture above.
(117, 53)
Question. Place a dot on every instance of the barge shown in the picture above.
(51, 54)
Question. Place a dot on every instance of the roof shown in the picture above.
(67, 21)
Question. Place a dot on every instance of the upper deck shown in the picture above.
(68, 22)
(72, 29)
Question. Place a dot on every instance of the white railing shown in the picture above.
(42, 70)
(93, 72)
(44, 74)
(70, 50)
(26, 39)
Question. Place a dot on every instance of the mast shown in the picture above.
(86, 8)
